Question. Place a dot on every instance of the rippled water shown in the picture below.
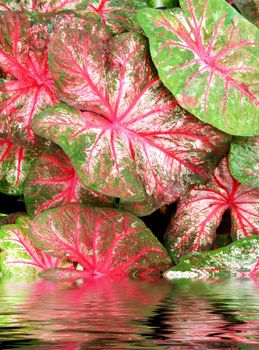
(219, 314)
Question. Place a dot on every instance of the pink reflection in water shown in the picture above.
(110, 308)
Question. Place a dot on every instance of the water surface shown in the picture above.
(184, 314)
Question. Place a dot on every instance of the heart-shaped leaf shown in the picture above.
(52, 182)
(240, 259)
(15, 163)
(105, 242)
(200, 211)
(244, 160)
(207, 56)
(18, 255)
(27, 87)
(132, 140)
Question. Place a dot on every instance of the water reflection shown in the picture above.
(215, 312)
(129, 315)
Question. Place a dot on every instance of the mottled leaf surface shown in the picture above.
(244, 160)
(207, 56)
(118, 15)
(18, 255)
(200, 211)
(130, 139)
(53, 182)
(43, 5)
(240, 259)
(15, 163)
(105, 242)
(27, 86)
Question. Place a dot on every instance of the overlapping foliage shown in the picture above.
(89, 133)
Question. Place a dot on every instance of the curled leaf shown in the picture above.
(239, 259)
(207, 56)
(105, 242)
(200, 211)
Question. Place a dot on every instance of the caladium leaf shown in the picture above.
(244, 160)
(43, 5)
(240, 258)
(27, 87)
(200, 211)
(18, 255)
(132, 140)
(52, 182)
(207, 56)
(15, 163)
(105, 242)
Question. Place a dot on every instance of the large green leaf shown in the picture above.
(207, 56)
(244, 160)
(240, 259)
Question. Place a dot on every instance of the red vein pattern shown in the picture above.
(27, 87)
(15, 164)
(52, 182)
(19, 255)
(117, 15)
(105, 242)
(200, 211)
(130, 139)
(208, 62)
